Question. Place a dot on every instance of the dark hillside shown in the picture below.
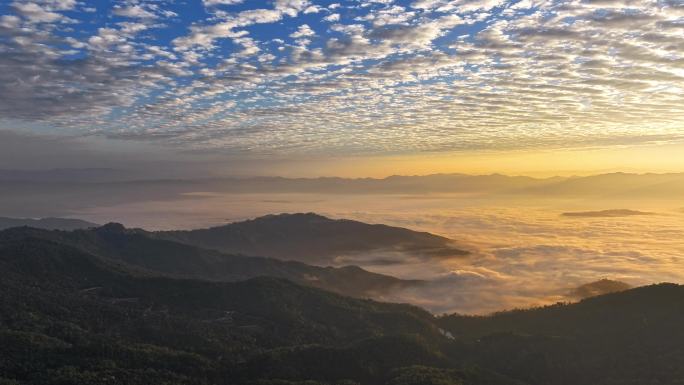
(70, 317)
(136, 249)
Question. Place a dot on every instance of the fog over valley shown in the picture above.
(520, 251)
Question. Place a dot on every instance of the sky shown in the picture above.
(360, 88)
(364, 88)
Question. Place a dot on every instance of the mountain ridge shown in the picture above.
(135, 248)
(29, 198)
(314, 239)
(49, 223)
(68, 316)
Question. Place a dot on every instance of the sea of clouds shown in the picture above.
(523, 253)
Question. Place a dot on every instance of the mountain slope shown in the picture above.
(135, 248)
(315, 239)
(630, 337)
(67, 316)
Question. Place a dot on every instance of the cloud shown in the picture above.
(379, 78)
(303, 31)
(523, 253)
(524, 256)
(134, 11)
(312, 9)
(204, 36)
(333, 17)
(9, 21)
(25, 151)
(212, 3)
(36, 13)
(428, 76)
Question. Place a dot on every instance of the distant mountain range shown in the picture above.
(315, 239)
(95, 306)
(46, 223)
(611, 183)
(34, 194)
(615, 185)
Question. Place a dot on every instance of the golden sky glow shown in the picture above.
(661, 158)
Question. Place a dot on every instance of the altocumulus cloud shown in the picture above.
(300, 76)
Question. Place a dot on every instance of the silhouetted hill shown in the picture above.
(315, 239)
(46, 223)
(134, 248)
(69, 317)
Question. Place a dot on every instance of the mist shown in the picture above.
(524, 248)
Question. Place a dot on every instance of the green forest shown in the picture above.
(78, 308)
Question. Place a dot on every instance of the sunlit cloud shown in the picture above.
(381, 77)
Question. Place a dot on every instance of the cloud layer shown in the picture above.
(357, 77)
(524, 252)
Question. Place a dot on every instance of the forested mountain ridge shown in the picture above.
(629, 337)
(75, 309)
(136, 249)
(315, 239)
(70, 317)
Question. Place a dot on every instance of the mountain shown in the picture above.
(70, 317)
(315, 239)
(395, 184)
(46, 223)
(137, 249)
(59, 192)
(614, 185)
(29, 194)
(73, 316)
(600, 287)
(629, 337)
